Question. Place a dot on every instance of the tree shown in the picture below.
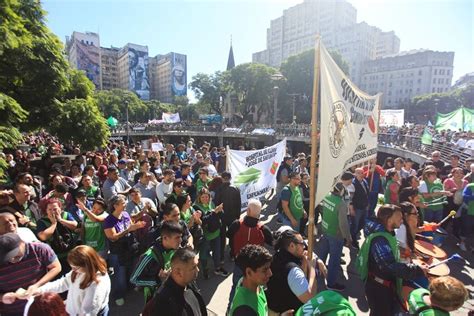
(209, 89)
(32, 66)
(253, 85)
(299, 72)
(81, 122)
(114, 103)
(181, 100)
(79, 86)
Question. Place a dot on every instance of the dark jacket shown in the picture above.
(172, 299)
(360, 200)
(230, 196)
(280, 298)
(382, 262)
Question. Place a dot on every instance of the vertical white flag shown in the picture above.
(254, 171)
(348, 125)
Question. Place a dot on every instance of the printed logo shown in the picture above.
(337, 128)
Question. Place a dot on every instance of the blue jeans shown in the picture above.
(357, 222)
(286, 221)
(104, 311)
(331, 246)
(236, 275)
(119, 278)
(433, 216)
(207, 246)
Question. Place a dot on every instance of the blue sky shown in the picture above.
(202, 29)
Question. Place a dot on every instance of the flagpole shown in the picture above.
(378, 131)
(314, 146)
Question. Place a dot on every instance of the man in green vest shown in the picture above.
(432, 191)
(292, 202)
(249, 298)
(335, 230)
(444, 295)
(327, 303)
(378, 262)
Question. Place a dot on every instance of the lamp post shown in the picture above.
(276, 77)
(128, 127)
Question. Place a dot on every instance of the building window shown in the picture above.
(433, 90)
(436, 71)
(448, 72)
(434, 80)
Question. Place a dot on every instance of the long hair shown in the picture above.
(47, 304)
(385, 212)
(407, 208)
(202, 192)
(86, 258)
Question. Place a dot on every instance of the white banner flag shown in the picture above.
(170, 117)
(392, 118)
(254, 171)
(348, 125)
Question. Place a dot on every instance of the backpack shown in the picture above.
(247, 235)
(63, 239)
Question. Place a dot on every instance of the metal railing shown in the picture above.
(414, 144)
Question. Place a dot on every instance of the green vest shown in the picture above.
(245, 297)
(436, 186)
(186, 216)
(470, 205)
(330, 220)
(296, 202)
(327, 303)
(94, 235)
(200, 184)
(387, 193)
(362, 263)
(417, 305)
(90, 193)
(205, 209)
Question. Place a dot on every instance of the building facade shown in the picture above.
(162, 77)
(83, 51)
(168, 74)
(402, 76)
(336, 22)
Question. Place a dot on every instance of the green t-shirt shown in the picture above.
(416, 303)
(245, 297)
(205, 209)
(200, 184)
(327, 303)
(94, 235)
(186, 216)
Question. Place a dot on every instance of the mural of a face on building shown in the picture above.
(178, 74)
(138, 63)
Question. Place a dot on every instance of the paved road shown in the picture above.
(216, 290)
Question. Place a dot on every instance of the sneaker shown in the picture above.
(336, 287)
(462, 246)
(120, 302)
(221, 272)
(205, 274)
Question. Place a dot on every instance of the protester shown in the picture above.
(360, 203)
(8, 224)
(433, 193)
(291, 199)
(178, 295)
(87, 285)
(24, 266)
(93, 234)
(50, 304)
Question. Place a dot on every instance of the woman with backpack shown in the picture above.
(87, 285)
(212, 226)
(56, 228)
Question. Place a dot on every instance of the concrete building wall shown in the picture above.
(110, 73)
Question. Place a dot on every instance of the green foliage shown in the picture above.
(190, 112)
(155, 108)
(114, 103)
(180, 100)
(299, 72)
(79, 87)
(32, 67)
(209, 89)
(253, 85)
(80, 121)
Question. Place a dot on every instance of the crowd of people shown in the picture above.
(93, 225)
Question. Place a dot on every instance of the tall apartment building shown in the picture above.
(109, 60)
(162, 77)
(405, 75)
(83, 51)
(168, 74)
(336, 22)
(132, 65)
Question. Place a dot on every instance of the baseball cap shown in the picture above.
(9, 246)
(122, 161)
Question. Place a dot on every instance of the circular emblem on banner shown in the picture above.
(337, 128)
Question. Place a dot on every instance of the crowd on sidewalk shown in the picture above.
(86, 227)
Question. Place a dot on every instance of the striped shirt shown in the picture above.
(33, 266)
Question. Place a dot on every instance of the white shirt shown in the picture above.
(461, 143)
(26, 234)
(401, 235)
(212, 170)
(163, 190)
(87, 302)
